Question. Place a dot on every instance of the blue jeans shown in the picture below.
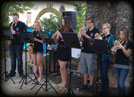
(16, 53)
(121, 75)
(39, 53)
(99, 64)
(104, 75)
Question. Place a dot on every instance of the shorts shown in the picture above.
(87, 63)
(63, 54)
(38, 53)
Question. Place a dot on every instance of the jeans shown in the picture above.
(104, 75)
(39, 53)
(121, 75)
(99, 64)
(16, 53)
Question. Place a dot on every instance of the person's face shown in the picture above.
(15, 19)
(122, 35)
(89, 23)
(105, 29)
(63, 22)
(36, 26)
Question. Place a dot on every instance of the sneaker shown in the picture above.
(83, 87)
(21, 75)
(61, 85)
(40, 80)
(91, 89)
(11, 74)
(33, 78)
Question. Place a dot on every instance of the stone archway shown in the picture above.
(45, 10)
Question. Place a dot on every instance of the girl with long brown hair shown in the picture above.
(63, 51)
(121, 65)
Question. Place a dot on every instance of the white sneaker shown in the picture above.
(61, 85)
(33, 77)
(40, 80)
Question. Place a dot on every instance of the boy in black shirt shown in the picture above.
(16, 45)
(87, 57)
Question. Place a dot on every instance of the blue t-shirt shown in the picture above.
(110, 39)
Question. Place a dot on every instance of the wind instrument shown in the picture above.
(31, 47)
(98, 36)
(114, 48)
(11, 29)
(85, 29)
(55, 35)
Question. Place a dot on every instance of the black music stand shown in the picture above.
(26, 38)
(72, 41)
(7, 35)
(46, 39)
(100, 46)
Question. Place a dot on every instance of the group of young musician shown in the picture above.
(87, 57)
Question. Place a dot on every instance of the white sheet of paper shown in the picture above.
(75, 52)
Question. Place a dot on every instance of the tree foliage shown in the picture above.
(13, 6)
(81, 11)
(51, 24)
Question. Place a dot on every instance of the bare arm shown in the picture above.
(41, 41)
(127, 52)
(55, 36)
(84, 34)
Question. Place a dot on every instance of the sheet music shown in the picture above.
(75, 52)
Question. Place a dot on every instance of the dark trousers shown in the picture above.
(99, 64)
(104, 75)
(16, 53)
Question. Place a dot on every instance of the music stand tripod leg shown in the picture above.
(46, 80)
(12, 80)
(33, 79)
(53, 87)
(69, 89)
(5, 66)
(24, 78)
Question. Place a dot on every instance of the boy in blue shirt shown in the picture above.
(106, 58)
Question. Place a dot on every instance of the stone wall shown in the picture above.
(118, 14)
(125, 15)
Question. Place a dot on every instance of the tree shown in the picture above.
(51, 24)
(9, 7)
(81, 11)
